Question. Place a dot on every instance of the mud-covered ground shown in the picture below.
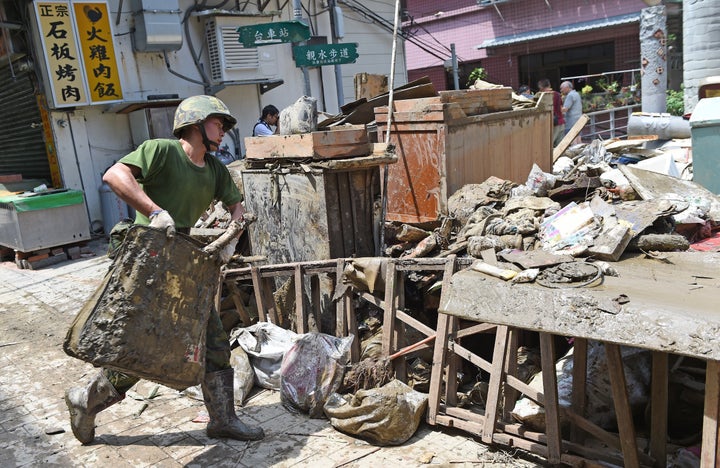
(36, 309)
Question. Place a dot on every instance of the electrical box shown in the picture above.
(705, 131)
(230, 62)
(157, 25)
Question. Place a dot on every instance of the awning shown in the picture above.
(561, 30)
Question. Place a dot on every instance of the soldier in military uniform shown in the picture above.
(170, 183)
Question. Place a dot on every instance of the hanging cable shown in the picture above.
(391, 87)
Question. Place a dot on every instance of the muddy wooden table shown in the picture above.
(668, 306)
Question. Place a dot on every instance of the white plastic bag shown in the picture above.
(266, 344)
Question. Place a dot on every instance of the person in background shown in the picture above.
(558, 118)
(572, 105)
(170, 184)
(524, 91)
(266, 122)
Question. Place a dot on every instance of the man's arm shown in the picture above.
(122, 180)
(236, 211)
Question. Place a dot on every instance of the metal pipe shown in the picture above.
(297, 14)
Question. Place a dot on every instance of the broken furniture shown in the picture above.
(458, 138)
(314, 194)
(32, 221)
(666, 306)
(307, 310)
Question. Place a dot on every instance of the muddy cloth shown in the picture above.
(217, 355)
(388, 415)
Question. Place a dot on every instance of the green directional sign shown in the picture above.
(273, 33)
(325, 54)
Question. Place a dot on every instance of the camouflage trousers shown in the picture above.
(217, 355)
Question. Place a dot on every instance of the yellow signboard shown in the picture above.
(98, 51)
(61, 53)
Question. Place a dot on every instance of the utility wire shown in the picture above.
(385, 24)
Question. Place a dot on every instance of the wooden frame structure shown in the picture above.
(494, 425)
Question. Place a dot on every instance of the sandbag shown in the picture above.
(311, 370)
(266, 344)
(388, 415)
(300, 117)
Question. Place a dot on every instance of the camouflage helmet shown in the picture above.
(196, 109)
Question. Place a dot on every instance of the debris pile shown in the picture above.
(591, 206)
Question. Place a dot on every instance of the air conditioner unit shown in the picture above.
(229, 60)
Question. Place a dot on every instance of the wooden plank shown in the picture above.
(510, 395)
(438, 366)
(300, 319)
(346, 219)
(416, 324)
(552, 415)
(239, 306)
(271, 310)
(495, 384)
(389, 310)
(579, 376)
(568, 139)
(474, 329)
(341, 326)
(451, 368)
(622, 406)
(659, 408)
(709, 456)
(279, 147)
(340, 142)
(399, 340)
(314, 317)
(351, 320)
(259, 296)
(440, 349)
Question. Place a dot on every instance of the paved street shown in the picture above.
(36, 309)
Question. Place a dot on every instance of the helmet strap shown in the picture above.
(206, 140)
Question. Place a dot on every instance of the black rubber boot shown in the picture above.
(218, 392)
(84, 403)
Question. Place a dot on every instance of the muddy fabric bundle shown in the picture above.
(148, 317)
(388, 415)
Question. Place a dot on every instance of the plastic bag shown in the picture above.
(266, 344)
(311, 370)
(540, 182)
(388, 415)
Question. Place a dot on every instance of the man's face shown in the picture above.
(214, 130)
(564, 89)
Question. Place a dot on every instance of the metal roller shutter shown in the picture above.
(21, 132)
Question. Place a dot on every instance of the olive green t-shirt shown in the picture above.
(177, 185)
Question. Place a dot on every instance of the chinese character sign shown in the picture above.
(61, 53)
(273, 33)
(98, 51)
(325, 54)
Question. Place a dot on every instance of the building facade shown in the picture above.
(521, 41)
(85, 82)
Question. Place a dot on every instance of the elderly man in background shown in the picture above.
(572, 105)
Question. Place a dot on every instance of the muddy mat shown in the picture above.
(149, 315)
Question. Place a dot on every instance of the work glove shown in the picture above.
(228, 251)
(161, 219)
